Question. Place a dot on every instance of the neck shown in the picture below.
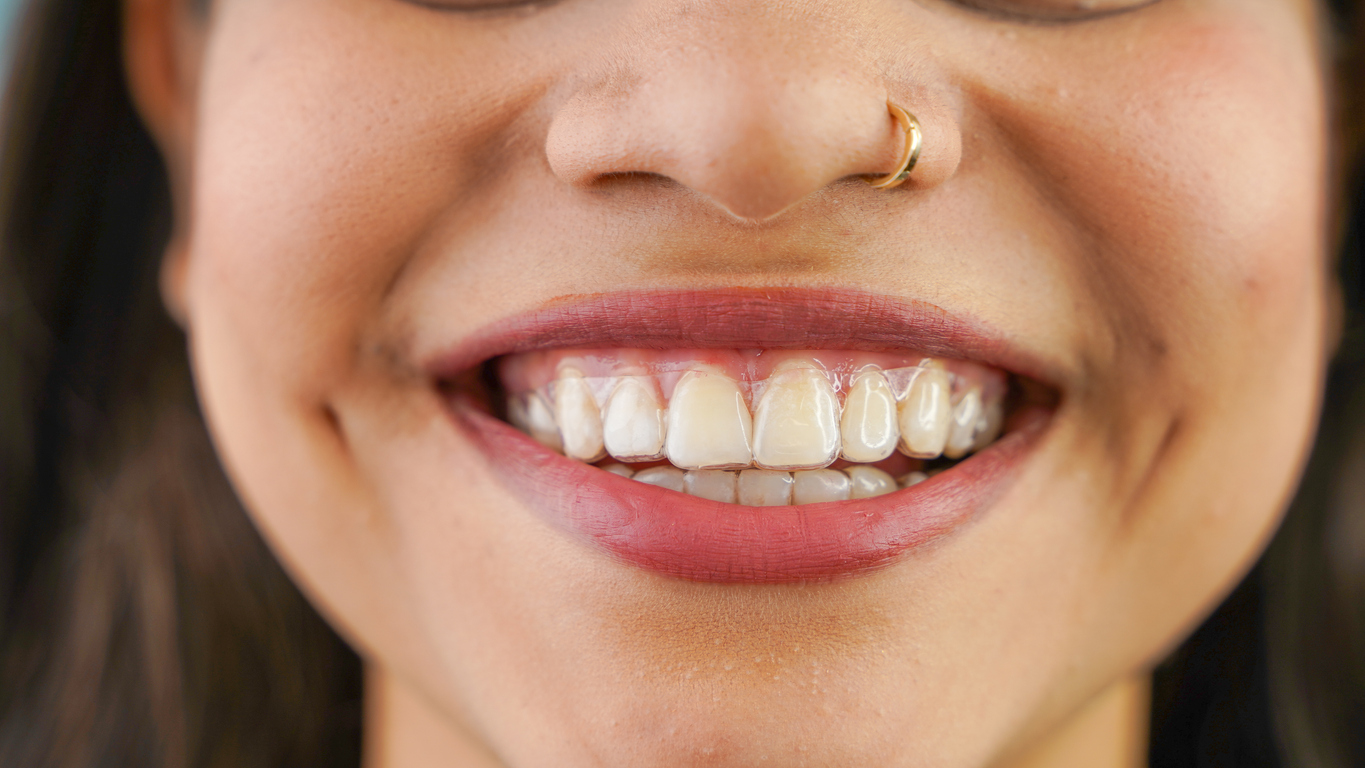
(404, 730)
(1110, 731)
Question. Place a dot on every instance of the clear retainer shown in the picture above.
(970, 419)
(899, 379)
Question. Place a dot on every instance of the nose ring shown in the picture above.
(914, 142)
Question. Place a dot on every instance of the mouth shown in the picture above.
(749, 436)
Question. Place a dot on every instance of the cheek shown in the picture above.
(1227, 150)
(334, 139)
(1186, 161)
(329, 147)
(1192, 173)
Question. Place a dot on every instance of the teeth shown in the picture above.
(517, 415)
(765, 488)
(633, 427)
(796, 423)
(914, 478)
(580, 422)
(926, 415)
(768, 488)
(540, 421)
(868, 482)
(820, 485)
(962, 434)
(664, 477)
(870, 429)
(708, 423)
(713, 484)
(780, 455)
(989, 424)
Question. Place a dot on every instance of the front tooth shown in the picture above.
(541, 421)
(820, 485)
(926, 415)
(580, 422)
(664, 477)
(868, 482)
(869, 427)
(963, 432)
(709, 426)
(796, 423)
(713, 484)
(765, 488)
(988, 425)
(633, 426)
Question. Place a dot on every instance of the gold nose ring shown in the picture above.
(914, 142)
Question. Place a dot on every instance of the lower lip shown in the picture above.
(694, 539)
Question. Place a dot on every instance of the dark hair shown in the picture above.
(145, 623)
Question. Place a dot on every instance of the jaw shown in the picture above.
(978, 595)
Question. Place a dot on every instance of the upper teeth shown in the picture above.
(962, 430)
(870, 427)
(633, 427)
(926, 415)
(580, 420)
(708, 423)
(798, 423)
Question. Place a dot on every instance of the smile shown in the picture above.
(756, 427)
(705, 435)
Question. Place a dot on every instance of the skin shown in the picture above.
(1137, 200)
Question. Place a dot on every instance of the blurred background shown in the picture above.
(7, 11)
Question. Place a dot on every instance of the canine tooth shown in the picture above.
(541, 420)
(765, 488)
(926, 415)
(867, 482)
(796, 422)
(713, 484)
(913, 478)
(580, 422)
(820, 485)
(990, 422)
(664, 477)
(618, 469)
(709, 426)
(633, 425)
(870, 426)
(962, 434)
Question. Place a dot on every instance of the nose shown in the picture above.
(755, 106)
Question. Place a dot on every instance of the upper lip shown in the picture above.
(742, 318)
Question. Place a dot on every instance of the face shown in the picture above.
(444, 267)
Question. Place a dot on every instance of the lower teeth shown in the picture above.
(768, 488)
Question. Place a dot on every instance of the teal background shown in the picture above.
(8, 9)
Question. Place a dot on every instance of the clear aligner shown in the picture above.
(800, 418)
(602, 387)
